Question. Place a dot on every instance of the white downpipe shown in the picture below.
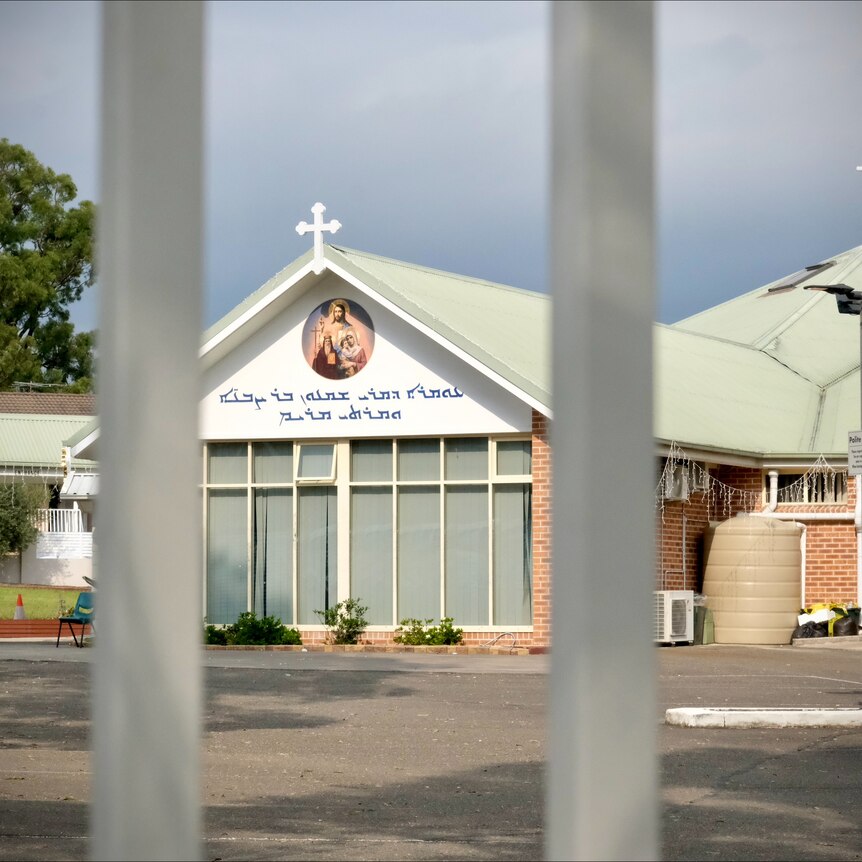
(802, 547)
(773, 491)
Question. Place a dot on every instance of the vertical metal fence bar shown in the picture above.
(602, 790)
(147, 660)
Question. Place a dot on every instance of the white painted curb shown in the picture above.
(744, 716)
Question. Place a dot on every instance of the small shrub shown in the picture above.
(412, 632)
(446, 633)
(214, 635)
(249, 630)
(345, 621)
(421, 633)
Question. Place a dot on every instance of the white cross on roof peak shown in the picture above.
(318, 227)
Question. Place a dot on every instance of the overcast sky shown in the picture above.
(423, 128)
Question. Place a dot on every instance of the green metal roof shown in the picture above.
(763, 375)
(504, 328)
(766, 374)
(30, 440)
(714, 394)
(801, 328)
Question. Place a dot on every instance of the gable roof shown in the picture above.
(500, 330)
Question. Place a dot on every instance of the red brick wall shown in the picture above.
(830, 553)
(678, 566)
(830, 562)
(541, 532)
(830, 547)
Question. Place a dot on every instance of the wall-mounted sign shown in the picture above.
(854, 453)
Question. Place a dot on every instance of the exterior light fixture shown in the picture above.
(849, 300)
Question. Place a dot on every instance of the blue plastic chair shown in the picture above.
(82, 615)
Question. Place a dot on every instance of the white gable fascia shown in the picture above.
(276, 293)
(271, 385)
(439, 339)
(84, 444)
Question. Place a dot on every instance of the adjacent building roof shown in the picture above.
(54, 403)
(774, 375)
(32, 443)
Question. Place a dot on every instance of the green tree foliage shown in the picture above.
(46, 249)
(18, 505)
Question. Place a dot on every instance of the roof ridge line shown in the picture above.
(673, 327)
(433, 270)
(782, 326)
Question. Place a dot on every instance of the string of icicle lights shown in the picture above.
(820, 483)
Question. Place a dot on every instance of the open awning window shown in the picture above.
(80, 485)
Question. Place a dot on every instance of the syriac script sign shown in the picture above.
(854, 453)
(307, 406)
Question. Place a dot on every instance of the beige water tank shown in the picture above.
(752, 579)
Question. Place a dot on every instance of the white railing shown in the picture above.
(59, 521)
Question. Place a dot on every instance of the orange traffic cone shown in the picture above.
(19, 609)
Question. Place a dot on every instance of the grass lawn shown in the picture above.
(40, 603)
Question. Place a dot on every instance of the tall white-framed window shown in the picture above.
(419, 528)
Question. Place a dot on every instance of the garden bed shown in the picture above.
(391, 648)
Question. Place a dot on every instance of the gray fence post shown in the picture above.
(602, 793)
(147, 660)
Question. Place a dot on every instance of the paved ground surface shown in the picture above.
(383, 757)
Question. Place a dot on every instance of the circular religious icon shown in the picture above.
(338, 339)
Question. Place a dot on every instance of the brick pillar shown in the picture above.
(541, 532)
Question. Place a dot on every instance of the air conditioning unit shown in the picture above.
(677, 481)
(674, 616)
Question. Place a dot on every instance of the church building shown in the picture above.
(378, 430)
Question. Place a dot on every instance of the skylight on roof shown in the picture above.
(798, 277)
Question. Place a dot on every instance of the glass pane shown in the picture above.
(514, 457)
(371, 552)
(272, 584)
(315, 460)
(467, 458)
(467, 554)
(371, 461)
(418, 553)
(513, 555)
(227, 463)
(273, 462)
(419, 460)
(317, 552)
(227, 557)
